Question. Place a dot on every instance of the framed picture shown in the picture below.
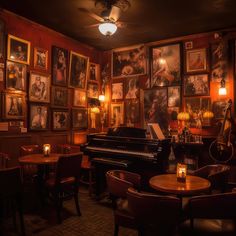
(39, 87)
(40, 58)
(132, 112)
(173, 113)
(2, 39)
(174, 96)
(14, 106)
(196, 85)
(59, 66)
(16, 76)
(80, 118)
(80, 98)
(93, 90)
(129, 61)
(117, 114)
(38, 117)
(18, 50)
(218, 108)
(59, 97)
(78, 71)
(155, 107)
(60, 120)
(131, 88)
(117, 91)
(188, 45)
(196, 60)
(165, 65)
(94, 72)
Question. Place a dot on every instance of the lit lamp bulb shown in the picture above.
(222, 89)
(107, 28)
(101, 98)
(46, 149)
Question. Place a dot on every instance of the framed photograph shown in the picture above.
(18, 50)
(196, 85)
(117, 91)
(117, 114)
(39, 87)
(173, 113)
(131, 88)
(78, 71)
(218, 108)
(16, 76)
(174, 96)
(38, 117)
(14, 106)
(165, 65)
(94, 72)
(93, 90)
(132, 112)
(59, 66)
(60, 120)
(2, 39)
(155, 107)
(80, 118)
(129, 61)
(196, 60)
(59, 97)
(79, 98)
(40, 58)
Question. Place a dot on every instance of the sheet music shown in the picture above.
(155, 131)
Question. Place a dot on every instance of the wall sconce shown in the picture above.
(101, 98)
(222, 89)
(181, 172)
(46, 149)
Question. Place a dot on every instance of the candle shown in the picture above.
(181, 172)
(46, 149)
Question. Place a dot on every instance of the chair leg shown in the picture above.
(116, 231)
(77, 204)
(90, 182)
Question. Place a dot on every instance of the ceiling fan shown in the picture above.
(110, 12)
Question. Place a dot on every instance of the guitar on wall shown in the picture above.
(221, 150)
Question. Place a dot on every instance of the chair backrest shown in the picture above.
(160, 213)
(29, 149)
(67, 148)
(118, 182)
(4, 159)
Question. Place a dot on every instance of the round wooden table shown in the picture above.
(168, 183)
(39, 159)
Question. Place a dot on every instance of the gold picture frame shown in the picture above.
(40, 58)
(117, 114)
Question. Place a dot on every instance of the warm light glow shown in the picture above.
(46, 149)
(101, 98)
(181, 172)
(107, 28)
(95, 110)
(208, 114)
(183, 116)
(222, 91)
(162, 61)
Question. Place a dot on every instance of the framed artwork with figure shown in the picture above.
(40, 58)
(60, 120)
(94, 70)
(59, 97)
(131, 88)
(80, 98)
(174, 96)
(117, 114)
(80, 118)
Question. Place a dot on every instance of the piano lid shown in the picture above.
(127, 132)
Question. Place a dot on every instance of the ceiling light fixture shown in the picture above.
(107, 28)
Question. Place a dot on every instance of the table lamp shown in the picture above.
(183, 118)
(46, 149)
(181, 172)
(207, 117)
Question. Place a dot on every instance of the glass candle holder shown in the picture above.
(46, 150)
(181, 172)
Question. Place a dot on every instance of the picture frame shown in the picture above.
(196, 60)
(38, 117)
(18, 49)
(78, 75)
(117, 91)
(165, 65)
(93, 90)
(39, 87)
(79, 98)
(14, 106)
(94, 70)
(174, 96)
(80, 118)
(2, 40)
(60, 120)
(117, 114)
(40, 58)
(60, 59)
(59, 97)
(16, 74)
(129, 61)
(218, 108)
(197, 85)
(132, 112)
(131, 88)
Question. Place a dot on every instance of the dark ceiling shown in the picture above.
(148, 20)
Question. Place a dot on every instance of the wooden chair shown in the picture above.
(65, 184)
(11, 193)
(4, 160)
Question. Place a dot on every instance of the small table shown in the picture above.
(168, 183)
(39, 159)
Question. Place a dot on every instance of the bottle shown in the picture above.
(171, 161)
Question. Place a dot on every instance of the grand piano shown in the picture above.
(126, 148)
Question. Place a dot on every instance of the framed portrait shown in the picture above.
(132, 112)
(173, 96)
(129, 61)
(196, 60)
(2, 39)
(60, 120)
(79, 98)
(165, 65)
(155, 107)
(94, 70)
(59, 97)
(80, 118)
(218, 108)
(40, 58)
(59, 66)
(16, 76)
(196, 85)
(173, 113)
(132, 88)
(14, 106)
(93, 90)
(38, 117)
(117, 114)
(18, 50)
(39, 87)
(117, 91)
(78, 70)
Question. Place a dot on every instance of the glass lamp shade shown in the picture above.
(101, 98)
(107, 28)
(222, 91)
